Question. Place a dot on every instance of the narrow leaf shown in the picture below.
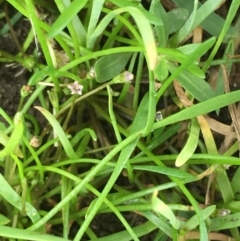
(193, 222)
(16, 233)
(160, 207)
(165, 171)
(191, 144)
(7, 192)
(213, 23)
(94, 18)
(201, 108)
(66, 17)
(177, 38)
(149, 16)
(162, 30)
(4, 220)
(15, 138)
(225, 222)
(143, 26)
(58, 129)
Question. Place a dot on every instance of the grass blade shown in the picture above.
(10, 195)
(15, 233)
(58, 129)
(191, 144)
(201, 108)
(143, 26)
(66, 17)
(15, 138)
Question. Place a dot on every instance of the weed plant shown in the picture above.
(124, 96)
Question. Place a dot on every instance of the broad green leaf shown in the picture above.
(225, 222)
(212, 23)
(205, 10)
(59, 131)
(189, 48)
(66, 17)
(10, 195)
(176, 19)
(196, 86)
(202, 49)
(162, 30)
(232, 12)
(192, 68)
(191, 145)
(160, 207)
(176, 55)
(15, 138)
(177, 38)
(110, 66)
(165, 171)
(4, 220)
(161, 69)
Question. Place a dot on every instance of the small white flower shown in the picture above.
(92, 73)
(128, 76)
(158, 116)
(75, 88)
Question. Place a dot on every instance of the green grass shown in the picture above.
(96, 90)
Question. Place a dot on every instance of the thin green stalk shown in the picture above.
(70, 112)
(38, 162)
(112, 115)
(126, 86)
(66, 187)
(112, 36)
(40, 150)
(127, 24)
(138, 81)
(151, 105)
(61, 6)
(227, 23)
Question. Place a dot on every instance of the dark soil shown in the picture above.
(12, 75)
